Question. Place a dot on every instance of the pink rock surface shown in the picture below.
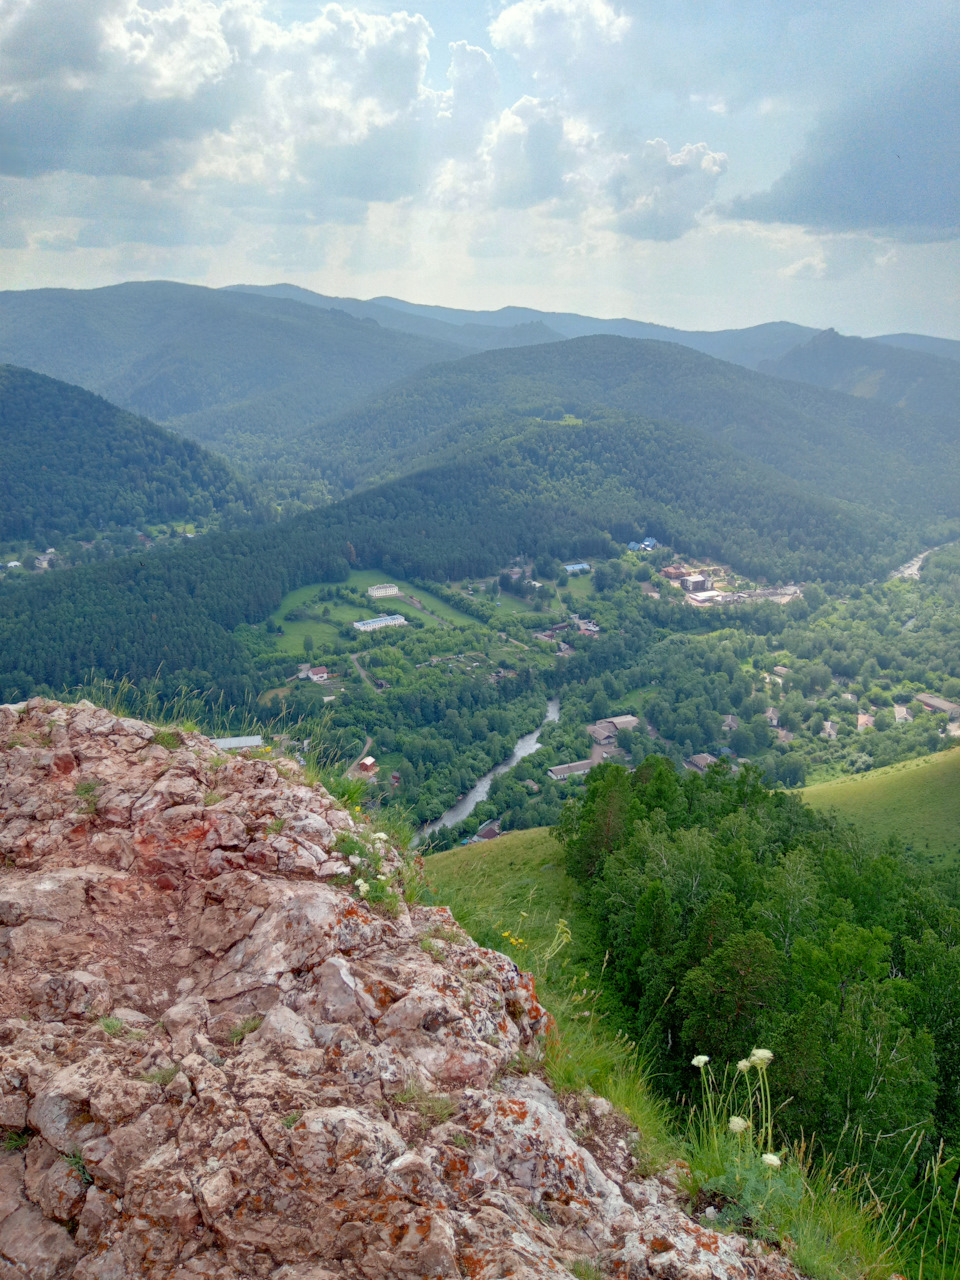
(259, 1102)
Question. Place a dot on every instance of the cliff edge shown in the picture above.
(229, 1048)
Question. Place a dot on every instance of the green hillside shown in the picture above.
(833, 444)
(913, 380)
(236, 371)
(559, 490)
(917, 801)
(71, 463)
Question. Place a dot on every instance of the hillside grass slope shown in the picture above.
(916, 801)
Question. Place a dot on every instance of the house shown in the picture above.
(700, 763)
(674, 572)
(237, 744)
(696, 582)
(367, 767)
(939, 705)
(604, 732)
(634, 546)
(490, 830)
(579, 567)
(849, 697)
(829, 730)
(385, 620)
(781, 671)
(902, 715)
(772, 716)
(14, 564)
(318, 674)
(650, 544)
(560, 772)
(864, 721)
(784, 735)
(383, 589)
(730, 723)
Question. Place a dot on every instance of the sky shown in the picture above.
(699, 163)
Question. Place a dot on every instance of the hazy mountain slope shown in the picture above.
(946, 348)
(68, 459)
(212, 361)
(471, 336)
(740, 346)
(911, 380)
(832, 443)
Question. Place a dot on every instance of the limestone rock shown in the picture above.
(226, 1067)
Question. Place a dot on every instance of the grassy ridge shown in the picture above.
(918, 801)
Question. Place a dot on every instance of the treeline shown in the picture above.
(735, 917)
(73, 465)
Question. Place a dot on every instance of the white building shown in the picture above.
(385, 620)
(383, 589)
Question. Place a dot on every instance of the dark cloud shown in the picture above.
(888, 163)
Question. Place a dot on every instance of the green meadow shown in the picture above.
(918, 801)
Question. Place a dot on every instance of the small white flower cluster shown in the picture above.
(738, 1125)
(362, 888)
(771, 1160)
(700, 1061)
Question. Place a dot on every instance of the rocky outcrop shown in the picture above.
(230, 1048)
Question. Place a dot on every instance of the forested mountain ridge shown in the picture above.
(833, 444)
(468, 335)
(233, 370)
(561, 489)
(874, 370)
(69, 461)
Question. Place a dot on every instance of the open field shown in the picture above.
(917, 800)
(324, 632)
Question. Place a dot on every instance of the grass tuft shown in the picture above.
(435, 1107)
(169, 739)
(244, 1028)
(113, 1026)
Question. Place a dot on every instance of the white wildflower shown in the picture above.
(700, 1061)
(381, 878)
(380, 835)
(362, 888)
(761, 1058)
(744, 1064)
(738, 1125)
(771, 1160)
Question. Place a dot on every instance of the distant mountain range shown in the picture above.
(872, 370)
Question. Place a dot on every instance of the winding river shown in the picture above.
(526, 746)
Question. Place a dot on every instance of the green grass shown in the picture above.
(325, 632)
(917, 800)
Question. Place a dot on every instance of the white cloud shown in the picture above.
(657, 194)
(549, 34)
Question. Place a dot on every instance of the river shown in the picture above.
(526, 746)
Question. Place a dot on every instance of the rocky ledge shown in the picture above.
(229, 1047)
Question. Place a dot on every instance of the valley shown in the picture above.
(651, 654)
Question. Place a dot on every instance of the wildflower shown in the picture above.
(505, 934)
(761, 1058)
(738, 1125)
(381, 878)
(362, 888)
(380, 835)
(771, 1160)
(744, 1064)
(700, 1061)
